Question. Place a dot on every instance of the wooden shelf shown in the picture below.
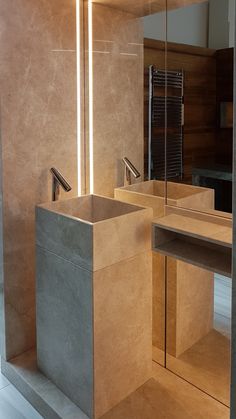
(196, 241)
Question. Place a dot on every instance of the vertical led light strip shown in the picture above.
(78, 74)
(90, 53)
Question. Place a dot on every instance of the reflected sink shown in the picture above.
(152, 194)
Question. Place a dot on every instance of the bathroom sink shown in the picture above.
(91, 208)
(76, 228)
(93, 293)
(152, 193)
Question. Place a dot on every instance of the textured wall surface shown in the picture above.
(38, 130)
(118, 96)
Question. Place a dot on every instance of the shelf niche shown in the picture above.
(200, 242)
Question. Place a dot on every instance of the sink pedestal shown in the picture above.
(94, 327)
(187, 322)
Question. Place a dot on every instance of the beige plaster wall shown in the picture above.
(38, 130)
(117, 95)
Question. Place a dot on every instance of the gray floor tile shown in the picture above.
(3, 381)
(14, 406)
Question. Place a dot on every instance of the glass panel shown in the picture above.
(122, 60)
(199, 328)
(200, 109)
(199, 151)
(154, 156)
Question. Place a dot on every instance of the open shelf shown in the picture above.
(196, 241)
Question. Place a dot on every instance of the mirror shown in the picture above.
(199, 153)
(200, 109)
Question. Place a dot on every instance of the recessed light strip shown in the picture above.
(90, 45)
(78, 64)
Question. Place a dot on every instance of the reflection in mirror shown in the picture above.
(200, 46)
(199, 151)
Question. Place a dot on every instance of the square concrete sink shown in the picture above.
(152, 194)
(92, 230)
(94, 298)
(91, 208)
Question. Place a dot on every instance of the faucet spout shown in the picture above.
(57, 181)
(129, 169)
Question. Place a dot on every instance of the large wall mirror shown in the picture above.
(199, 154)
(200, 105)
(160, 84)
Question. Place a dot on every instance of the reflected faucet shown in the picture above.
(57, 181)
(129, 169)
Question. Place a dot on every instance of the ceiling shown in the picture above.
(146, 7)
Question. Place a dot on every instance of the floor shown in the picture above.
(207, 363)
(12, 404)
(222, 305)
(165, 396)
